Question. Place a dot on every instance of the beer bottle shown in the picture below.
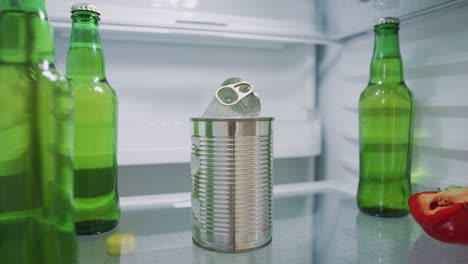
(386, 110)
(36, 130)
(95, 165)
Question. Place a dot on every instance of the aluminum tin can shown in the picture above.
(231, 171)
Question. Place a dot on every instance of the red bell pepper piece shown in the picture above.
(442, 215)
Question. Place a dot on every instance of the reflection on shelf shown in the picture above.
(260, 256)
(429, 250)
(377, 237)
(308, 228)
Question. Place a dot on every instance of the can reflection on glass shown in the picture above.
(231, 183)
(202, 256)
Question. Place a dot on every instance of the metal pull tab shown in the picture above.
(231, 94)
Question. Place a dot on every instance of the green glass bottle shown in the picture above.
(36, 130)
(386, 109)
(95, 165)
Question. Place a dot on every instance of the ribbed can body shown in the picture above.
(232, 183)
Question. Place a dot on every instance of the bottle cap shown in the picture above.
(387, 20)
(85, 7)
(120, 244)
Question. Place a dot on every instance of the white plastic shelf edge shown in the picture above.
(171, 143)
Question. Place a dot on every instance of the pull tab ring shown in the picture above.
(231, 94)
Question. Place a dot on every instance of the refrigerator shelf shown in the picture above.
(418, 68)
(266, 24)
(182, 200)
(455, 144)
(351, 165)
(419, 175)
(460, 145)
(432, 104)
(138, 144)
(320, 224)
(443, 102)
(195, 36)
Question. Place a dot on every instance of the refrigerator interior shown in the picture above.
(309, 62)
(307, 59)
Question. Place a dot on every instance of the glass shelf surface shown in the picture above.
(319, 227)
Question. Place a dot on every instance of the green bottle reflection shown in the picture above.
(95, 165)
(36, 130)
(386, 110)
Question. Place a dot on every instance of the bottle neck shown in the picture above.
(386, 65)
(25, 32)
(85, 58)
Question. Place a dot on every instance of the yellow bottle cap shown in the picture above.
(120, 244)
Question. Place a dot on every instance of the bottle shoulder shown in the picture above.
(91, 86)
(93, 90)
(27, 73)
(387, 89)
(387, 93)
(22, 82)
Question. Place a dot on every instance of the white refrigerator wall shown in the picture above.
(308, 60)
(435, 55)
(163, 79)
(160, 86)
